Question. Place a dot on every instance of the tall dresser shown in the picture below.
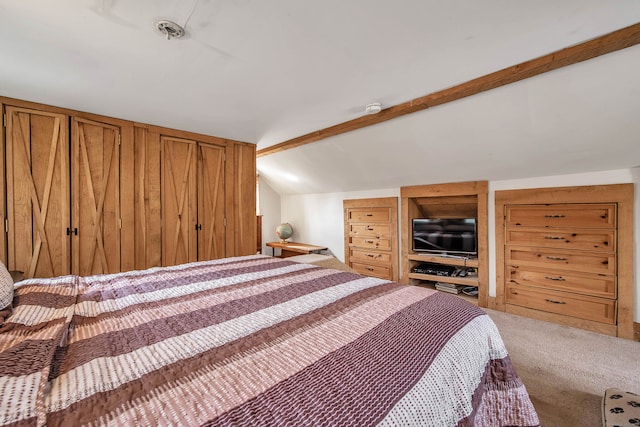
(565, 256)
(371, 236)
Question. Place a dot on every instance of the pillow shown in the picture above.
(30, 343)
(6, 293)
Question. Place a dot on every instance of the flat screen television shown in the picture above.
(445, 236)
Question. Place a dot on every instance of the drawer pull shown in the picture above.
(555, 302)
(369, 268)
(554, 216)
(373, 255)
(369, 241)
(553, 237)
(369, 228)
(368, 214)
(558, 279)
(556, 258)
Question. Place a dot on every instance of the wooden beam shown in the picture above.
(611, 42)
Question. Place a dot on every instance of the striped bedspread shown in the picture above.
(252, 341)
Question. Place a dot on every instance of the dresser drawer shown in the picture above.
(379, 271)
(370, 230)
(580, 306)
(562, 215)
(591, 284)
(370, 256)
(584, 239)
(369, 215)
(371, 243)
(591, 262)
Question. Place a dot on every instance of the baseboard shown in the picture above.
(600, 328)
(636, 331)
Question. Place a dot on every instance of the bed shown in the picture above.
(251, 340)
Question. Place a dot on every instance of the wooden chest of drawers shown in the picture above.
(371, 236)
(566, 255)
(562, 259)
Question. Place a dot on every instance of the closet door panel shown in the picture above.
(179, 201)
(96, 198)
(211, 201)
(37, 164)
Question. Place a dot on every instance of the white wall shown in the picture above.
(318, 218)
(270, 209)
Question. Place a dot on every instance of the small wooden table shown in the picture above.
(292, 248)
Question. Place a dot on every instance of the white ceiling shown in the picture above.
(268, 71)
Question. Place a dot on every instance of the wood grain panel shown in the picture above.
(382, 272)
(148, 203)
(95, 197)
(3, 206)
(592, 284)
(369, 215)
(592, 262)
(364, 256)
(179, 201)
(127, 197)
(563, 215)
(370, 229)
(211, 208)
(590, 325)
(584, 239)
(371, 243)
(564, 303)
(241, 205)
(37, 160)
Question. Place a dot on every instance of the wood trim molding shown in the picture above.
(602, 45)
(3, 185)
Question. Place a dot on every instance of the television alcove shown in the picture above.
(455, 201)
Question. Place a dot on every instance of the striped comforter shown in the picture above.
(251, 341)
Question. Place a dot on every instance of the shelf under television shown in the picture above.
(466, 281)
(429, 285)
(460, 262)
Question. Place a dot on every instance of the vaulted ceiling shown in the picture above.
(269, 71)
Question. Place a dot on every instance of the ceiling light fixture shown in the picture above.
(373, 108)
(170, 29)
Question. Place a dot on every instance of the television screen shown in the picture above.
(449, 236)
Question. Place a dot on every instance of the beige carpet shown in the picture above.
(567, 370)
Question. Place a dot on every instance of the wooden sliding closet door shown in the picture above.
(95, 197)
(211, 202)
(37, 167)
(179, 200)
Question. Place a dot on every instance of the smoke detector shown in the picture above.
(373, 108)
(170, 29)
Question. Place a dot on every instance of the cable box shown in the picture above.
(434, 269)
